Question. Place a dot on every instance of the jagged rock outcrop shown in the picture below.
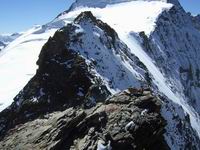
(128, 120)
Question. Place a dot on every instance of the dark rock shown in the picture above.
(115, 125)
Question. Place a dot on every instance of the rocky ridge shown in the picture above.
(128, 120)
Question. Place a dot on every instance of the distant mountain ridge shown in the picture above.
(5, 39)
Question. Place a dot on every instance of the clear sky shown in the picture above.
(20, 15)
(192, 6)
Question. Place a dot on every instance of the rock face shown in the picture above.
(128, 120)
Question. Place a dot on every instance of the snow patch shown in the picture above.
(145, 111)
(101, 145)
(129, 125)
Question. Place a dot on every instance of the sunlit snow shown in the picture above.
(18, 64)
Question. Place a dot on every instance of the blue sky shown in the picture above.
(192, 6)
(20, 15)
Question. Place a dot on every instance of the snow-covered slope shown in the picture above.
(113, 60)
(18, 63)
(104, 3)
(160, 34)
(95, 3)
(117, 15)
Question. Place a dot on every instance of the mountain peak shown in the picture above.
(83, 15)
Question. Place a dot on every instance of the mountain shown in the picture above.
(37, 36)
(102, 52)
(79, 85)
(7, 38)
